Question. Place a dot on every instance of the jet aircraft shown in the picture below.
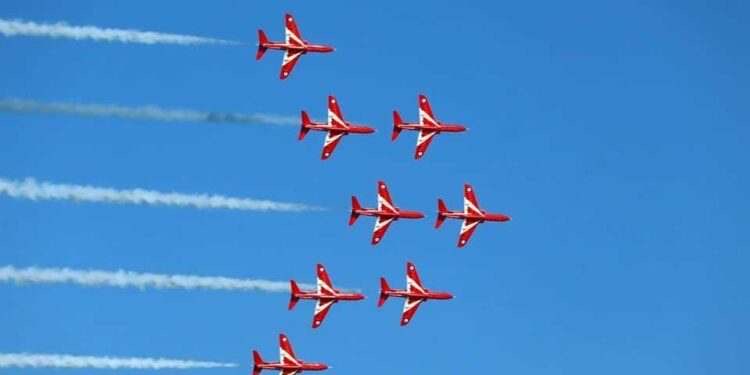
(288, 364)
(325, 295)
(413, 296)
(428, 127)
(336, 128)
(385, 213)
(472, 215)
(293, 46)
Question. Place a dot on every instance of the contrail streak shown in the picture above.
(148, 112)
(73, 361)
(125, 279)
(18, 27)
(31, 189)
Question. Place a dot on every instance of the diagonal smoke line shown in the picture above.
(125, 279)
(74, 361)
(148, 112)
(18, 27)
(31, 189)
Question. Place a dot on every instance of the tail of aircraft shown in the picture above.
(305, 123)
(442, 209)
(295, 291)
(257, 360)
(262, 40)
(396, 128)
(355, 207)
(384, 288)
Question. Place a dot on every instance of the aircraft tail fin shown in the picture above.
(295, 291)
(262, 41)
(384, 288)
(257, 361)
(442, 209)
(306, 122)
(355, 207)
(397, 121)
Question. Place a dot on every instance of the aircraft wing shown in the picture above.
(467, 229)
(286, 353)
(289, 372)
(385, 203)
(423, 141)
(335, 117)
(290, 60)
(321, 310)
(471, 204)
(333, 137)
(425, 112)
(291, 32)
(410, 308)
(381, 226)
(413, 283)
(324, 282)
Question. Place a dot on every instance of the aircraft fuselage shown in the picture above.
(318, 48)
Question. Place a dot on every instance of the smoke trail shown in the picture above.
(31, 189)
(124, 279)
(73, 361)
(142, 113)
(63, 30)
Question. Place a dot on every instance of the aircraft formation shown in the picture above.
(385, 212)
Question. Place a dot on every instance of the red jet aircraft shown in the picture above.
(326, 296)
(414, 294)
(428, 127)
(289, 364)
(472, 215)
(293, 45)
(386, 213)
(336, 127)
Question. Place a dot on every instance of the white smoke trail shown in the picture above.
(142, 113)
(63, 30)
(73, 361)
(31, 189)
(124, 279)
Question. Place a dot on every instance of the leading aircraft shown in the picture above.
(428, 127)
(472, 215)
(293, 46)
(289, 364)
(385, 213)
(413, 296)
(325, 295)
(336, 127)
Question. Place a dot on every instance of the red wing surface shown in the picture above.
(289, 372)
(425, 112)
(290, 60)
(324, 282)
(385, 203)
(471, 204)
(467, 229)
(291, 32)
(381, 226)
(410, 308)
(321, 310)
(413, 283)
(423, 141)
(333, 137)
(286, 353)
(335, 117)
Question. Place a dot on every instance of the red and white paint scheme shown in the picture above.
(336, 128)
(472, 215)
(289, 364)
(428, 127)
(325, 295)
(385, 214)
(413, 296)
(293, 46)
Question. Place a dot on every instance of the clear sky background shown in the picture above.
(614, 133)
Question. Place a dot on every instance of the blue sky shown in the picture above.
(614, 134)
